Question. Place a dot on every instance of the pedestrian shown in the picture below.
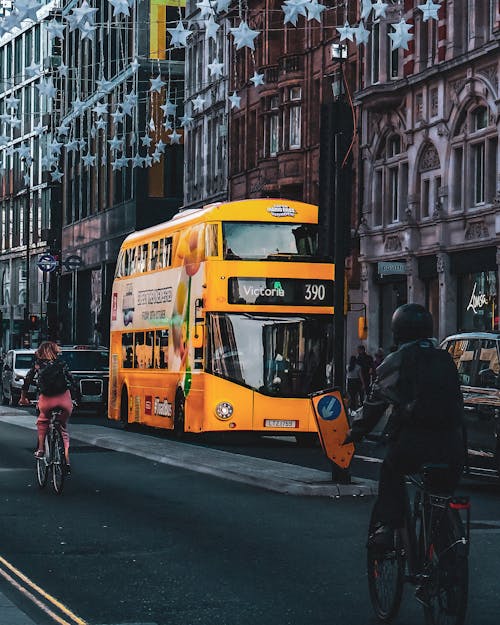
(365, 361)
(354, 384)
(378, 359)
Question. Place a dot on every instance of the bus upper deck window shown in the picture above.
(211, 240)
(167, 251)
(154, 255)
(142, 264)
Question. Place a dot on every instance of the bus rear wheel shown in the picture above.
(124, 407)
(179, 415)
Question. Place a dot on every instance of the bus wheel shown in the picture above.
(124, 407)
(179, 415)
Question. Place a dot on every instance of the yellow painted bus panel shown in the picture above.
(241, 398)
(283, 414)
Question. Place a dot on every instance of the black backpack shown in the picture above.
(52, 379)
(430, 389)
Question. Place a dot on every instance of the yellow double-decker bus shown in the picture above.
(222, 319)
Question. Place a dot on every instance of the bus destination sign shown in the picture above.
(280, 291)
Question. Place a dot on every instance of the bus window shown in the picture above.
(167, 250)
(120, 265)
(142, 259)
(127, 350)
(132, 261)
(161, 349)
(154, 255)
(140, 351)
(211, 239)
(148, 349)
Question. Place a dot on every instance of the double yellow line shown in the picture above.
(7, 570)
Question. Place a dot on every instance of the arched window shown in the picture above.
(429, 181)
(390, 182)
(473, 167)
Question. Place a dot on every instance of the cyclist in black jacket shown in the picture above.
(421, 383)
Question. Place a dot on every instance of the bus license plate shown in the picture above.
(278, 423)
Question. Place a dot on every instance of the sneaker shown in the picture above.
(68, 469)
(39, 453)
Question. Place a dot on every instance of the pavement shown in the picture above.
(279, 477)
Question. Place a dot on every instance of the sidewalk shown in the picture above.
(12, 615)
(268, 474)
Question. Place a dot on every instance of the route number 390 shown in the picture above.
(315, 292)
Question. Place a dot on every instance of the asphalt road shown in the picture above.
(133, 541)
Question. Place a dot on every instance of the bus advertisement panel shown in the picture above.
(222, 319)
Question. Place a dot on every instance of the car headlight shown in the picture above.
(224, 410)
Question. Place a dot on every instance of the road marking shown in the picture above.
(75, 620)
(369, 459)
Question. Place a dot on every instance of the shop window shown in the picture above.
(478, 301)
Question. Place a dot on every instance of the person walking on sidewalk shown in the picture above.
(365, 362)
(56, 388)
(354, 384)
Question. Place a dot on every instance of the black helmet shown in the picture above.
(411, 322)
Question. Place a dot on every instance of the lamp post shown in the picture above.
(27, 335)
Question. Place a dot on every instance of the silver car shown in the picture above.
(16, 365)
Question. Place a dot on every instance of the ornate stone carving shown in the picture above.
(393, 244)
(429, 158)
(442, 262)
(364, 272)
(476, 230)
(434, 102)
(491, 75)
(458, 85)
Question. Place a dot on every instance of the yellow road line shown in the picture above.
(55, 602)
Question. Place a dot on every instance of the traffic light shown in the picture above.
(33, 322)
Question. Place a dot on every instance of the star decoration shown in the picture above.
(235, 100)
(146, 141)
(104, 85)
(15, 122)
(72, 146)
(151, 125)
(244, 36)
(56, 29)
(211, 28)
(24, 151)
(86, 30)
(366, 8)
(33, 70)
(80, 16)
(168, 108)
(156, 156)
(223, 5)
(175, 137)
(27, 179)
(430, 10)
(118, 116)
(62, 130)
(148, 161)
(39, 129)
(401, 36)
(257, 79)
(346, 32)
(314, 11)
(361, 34)
(115, 144)
(134, 66)
(137, 161)
(120, 7)
(49, 161)
(167, 125)
(292, 9)
(46, 88)
(55, 147)
(100, 108)
(206, 9)
(160, 146)
(215, 68)
(56, 175)
(379, 8)
(101, 124)
(27, 10)
(12, 102)
(198, 103)
(157, 84)
(62, 70)
(179, 35)
(88, 160)
(186, 121)
(78, 106)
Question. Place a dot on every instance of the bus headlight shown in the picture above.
(224, 410)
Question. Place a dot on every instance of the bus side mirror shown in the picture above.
(362, 328)
(198, 336)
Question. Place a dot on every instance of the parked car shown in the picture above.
(477, 357)
(16, 365)
(89, 366)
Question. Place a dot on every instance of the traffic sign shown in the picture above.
(73, 262)
(47, 262)
(333, 425)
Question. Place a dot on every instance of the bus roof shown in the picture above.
(262, 209)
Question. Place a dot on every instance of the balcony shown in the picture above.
(291, 64)
(271, 74)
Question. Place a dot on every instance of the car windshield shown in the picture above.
(82, 360)
(270, 241)
(275, 355)
(24, 361)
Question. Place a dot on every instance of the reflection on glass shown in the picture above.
(278, 356)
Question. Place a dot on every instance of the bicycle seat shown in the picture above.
(438, 478)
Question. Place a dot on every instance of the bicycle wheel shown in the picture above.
(386, 577)
(59, 463)
(449, 574)
(42, 466)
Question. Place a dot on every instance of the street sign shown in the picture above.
(47, 262)
(391, 268)
(331, 419)
(73, 262)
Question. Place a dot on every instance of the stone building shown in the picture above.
(430, 192)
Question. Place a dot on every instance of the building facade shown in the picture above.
(30, 201)
(135, 180)
(430, 192)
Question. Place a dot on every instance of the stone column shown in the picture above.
(370, 298)
(416, 287)
(497, 302)
(447, 296)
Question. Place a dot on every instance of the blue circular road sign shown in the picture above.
(47, 262)
(73, 262)
(329, 407)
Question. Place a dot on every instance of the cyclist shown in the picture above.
(58, 396)
(420, 382)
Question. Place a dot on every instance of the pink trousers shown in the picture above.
(45, 405)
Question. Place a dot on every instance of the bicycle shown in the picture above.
(54, 459)
(430, 551)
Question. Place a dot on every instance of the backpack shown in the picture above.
(52, 379)
(430, 389)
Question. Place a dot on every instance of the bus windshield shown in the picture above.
(274, 355)
(270, 241)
